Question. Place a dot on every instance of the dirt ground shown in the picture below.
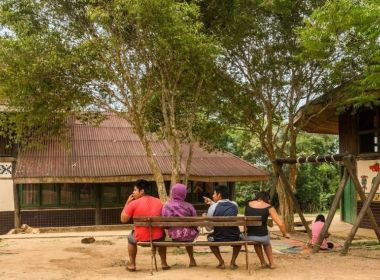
(67, 258)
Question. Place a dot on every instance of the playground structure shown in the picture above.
(348, 164)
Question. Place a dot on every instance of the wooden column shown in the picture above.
(350, 169)
(363, 211)
(289, 191)
(16, 199)
(330, 216)
(98, 205)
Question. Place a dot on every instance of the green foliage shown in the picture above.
(317, 183)
(343, 36)
(65, 57)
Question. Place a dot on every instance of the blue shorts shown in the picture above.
(265, 240)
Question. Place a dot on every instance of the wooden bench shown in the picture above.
(167, 222)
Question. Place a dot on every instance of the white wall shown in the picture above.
(6, 195)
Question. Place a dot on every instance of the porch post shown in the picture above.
(98, 209)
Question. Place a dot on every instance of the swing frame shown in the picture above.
(348, 163)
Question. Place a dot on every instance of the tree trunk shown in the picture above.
(155, 169)
(176, 160)
(286, 203)
(188, 163)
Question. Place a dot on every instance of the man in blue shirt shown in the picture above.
(221, 206)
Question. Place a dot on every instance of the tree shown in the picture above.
(343, 36)
(138, 59)
(261, 59)
(317, 183)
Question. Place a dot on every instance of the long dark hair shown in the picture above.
(320, 218)
(264, 196)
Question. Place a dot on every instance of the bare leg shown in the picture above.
(235, 253)
(259, 253)
(190, 252)
(132, 251)
(216, 251)
(162, 253)
(269, 253)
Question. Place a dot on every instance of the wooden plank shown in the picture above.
(194, 244)
(314, 159)
(195, 219)
(330, 216)
(179, 223)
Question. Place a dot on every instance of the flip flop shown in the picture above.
(234, 267)
(130, 269)
(221, 266)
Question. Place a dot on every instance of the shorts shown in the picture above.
(132, 240)
(211, 238)
(265, 240)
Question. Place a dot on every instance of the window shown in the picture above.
(125, 192)
(110, 194)
(57, 195)
(49, 194)
(68, 194)
(86, 193)
(30, 195)
(369, 131)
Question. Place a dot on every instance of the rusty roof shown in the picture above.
(112, 152)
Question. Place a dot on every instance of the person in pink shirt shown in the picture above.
(141, 204)
(316, 229)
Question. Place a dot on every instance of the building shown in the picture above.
(359, 135)
(86, 178)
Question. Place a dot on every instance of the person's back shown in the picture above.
(140, 204)
(316, 229)
(145, 206)
(255, 208)
(226, 208)
(178, 207)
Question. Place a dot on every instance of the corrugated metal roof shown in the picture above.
(112, 149)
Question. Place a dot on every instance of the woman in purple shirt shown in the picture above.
(178, 207)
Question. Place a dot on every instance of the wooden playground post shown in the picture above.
(363, 211)
(350, 169)
(332, 211)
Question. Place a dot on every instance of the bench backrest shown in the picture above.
(197, 221)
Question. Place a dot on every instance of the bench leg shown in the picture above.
(155, 258)
(246, 256)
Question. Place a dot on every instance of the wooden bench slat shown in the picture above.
(195, 219)
(193, 244)
(197, 224)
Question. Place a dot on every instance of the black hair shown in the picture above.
(264, 196)
(222, 190)
(320, 218)
(142, 185)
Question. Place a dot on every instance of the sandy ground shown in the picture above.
(65, 257)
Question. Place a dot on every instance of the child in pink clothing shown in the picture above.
(316, 229)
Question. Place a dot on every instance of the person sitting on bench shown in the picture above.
(261, 206)
(178, 207)
(221, 206)
(140, 204)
